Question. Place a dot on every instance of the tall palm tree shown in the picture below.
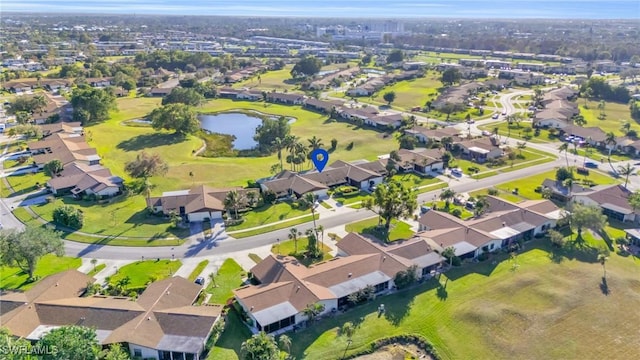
(320, 229)
(315, 143)
(310, 200)
(289, 144)
(313, 310)
(602, 259)
(449, 253)
(564, 148)
(587, 151)
(234, 200)
(293, 235)
(279, 144)
(446, 195)
(626, 170)
(285, 342)
(611, 142)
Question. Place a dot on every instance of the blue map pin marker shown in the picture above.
(320, 157)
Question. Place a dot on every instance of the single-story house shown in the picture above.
(81, 179)
(420, 160)
(425, 135)
(161, 324)
(321, 105)
(504, 224)
(383, 121)
(288, 99)
(160, 91)
(288, 287)
(594, 136)
(480, 150)
(64, 147)
(199, 203)
(633, 235)
(613, 199)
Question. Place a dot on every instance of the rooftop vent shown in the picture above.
(350, 274)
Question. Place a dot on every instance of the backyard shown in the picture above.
(411, 93)
(399, 230)
(288, 248)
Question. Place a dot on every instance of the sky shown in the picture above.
(556, 9)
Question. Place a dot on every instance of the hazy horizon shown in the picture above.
(496, 9)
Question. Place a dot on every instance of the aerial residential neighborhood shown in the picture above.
(293, 181)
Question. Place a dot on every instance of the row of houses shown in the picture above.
(161, 324)
(26, 85)
(461, 95)
(81, 172)
(286, 287)
(376, 83)
(342, 75)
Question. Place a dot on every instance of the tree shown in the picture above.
(72, 343)
(293, 235)
(481, 205)
(556, 238)
(447, 195)
(68, 216)
(590, 217)
(405, 278)
(184, 96)
(634, 200)
(626, 170)
(611, 142)
(449, 253)
(285, 343)
(579, 120)
(23, 117)
(259, 347)
(315, 143)
(307, 66)
(522, 145)
(30, 131)
(313, 310)
(348, 329)
(279, 145)
(603, 256)
(92, 104)
(564, 173)
(269, 130)
(602, 106)
(408, 142)
(53, 168)
(233, 200)
(115, 352)
(7, 341)
(144, 166)
(626, 127)
(564, 147)
(395, 56)
(180, 118)
(309, 199)
(451, 76)
(391, 201)
(24, 248)
(389, 97)
(94, 262)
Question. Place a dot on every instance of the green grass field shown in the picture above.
(201, 265)
(142, 272)
(550, 306)
(399, 229)
(127, 217)
(235, 333)
(269, 214)
(414, 92)
(414, 181)
(12, 278)
(346, 200)
(517, 133)
(265, 229)
(97, 269)
(278, 80)
(288, 248)
(229, 277)
(616, 115)
(26, 183)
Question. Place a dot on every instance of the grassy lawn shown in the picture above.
(414, 180)
(229, 343)
(616, 115)
(14, 279)
(26, 183)
(517, 133)
(97, 269)
(265, 229)
(229, 277)
(346, 200)
(126, 217)
(501, 194)
(288, 248)
(201, 265)
(142, 272)
(268, 214)
(440, 206)
(271, 80)
(414, 92)
(552, 306)
(125, 142)
(399, 229)
(526, 186)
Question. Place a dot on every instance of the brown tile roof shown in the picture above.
(197, 199)
(615, 195)
(64, 147)
(64, 127)
(595, 133)
(81, 177)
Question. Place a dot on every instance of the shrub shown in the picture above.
(68, 216)
(456, 212)
(492, 191)
(334, 144)
(350, 146)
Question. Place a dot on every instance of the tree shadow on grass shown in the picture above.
(604, 287)
(152, 140)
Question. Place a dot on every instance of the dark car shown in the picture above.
(199, 280)
(591, 165)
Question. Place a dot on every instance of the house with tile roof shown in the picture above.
(65, 147)
(480, 150)
(613, 199)
(503, 225)
(363, 175)
(420, 160)
(196, 204)
(424, 134)
(161, 324)
(287, 287)
(77, 179)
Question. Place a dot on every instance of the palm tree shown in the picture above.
(587, 151)
(601, 107)
(564, 148)
(446, 195)
(309, 200)
(481, 206)
(320, 229)
(285, 343)
(348, 329)
(315, 143)
(602, 259)
(626, 170)
(521, 146)
(212, 277)
(626, 127)
(94, 262)
(234, 200)
(293, 235)
(313, 310)
(611, 142)
(279, 144)
(449, 253)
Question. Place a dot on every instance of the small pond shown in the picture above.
(242, 126)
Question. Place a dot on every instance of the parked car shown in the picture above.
(424, 209)
(504, 113)
(495, 116)
(199, 280)
(486, 133)
(591, 165)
